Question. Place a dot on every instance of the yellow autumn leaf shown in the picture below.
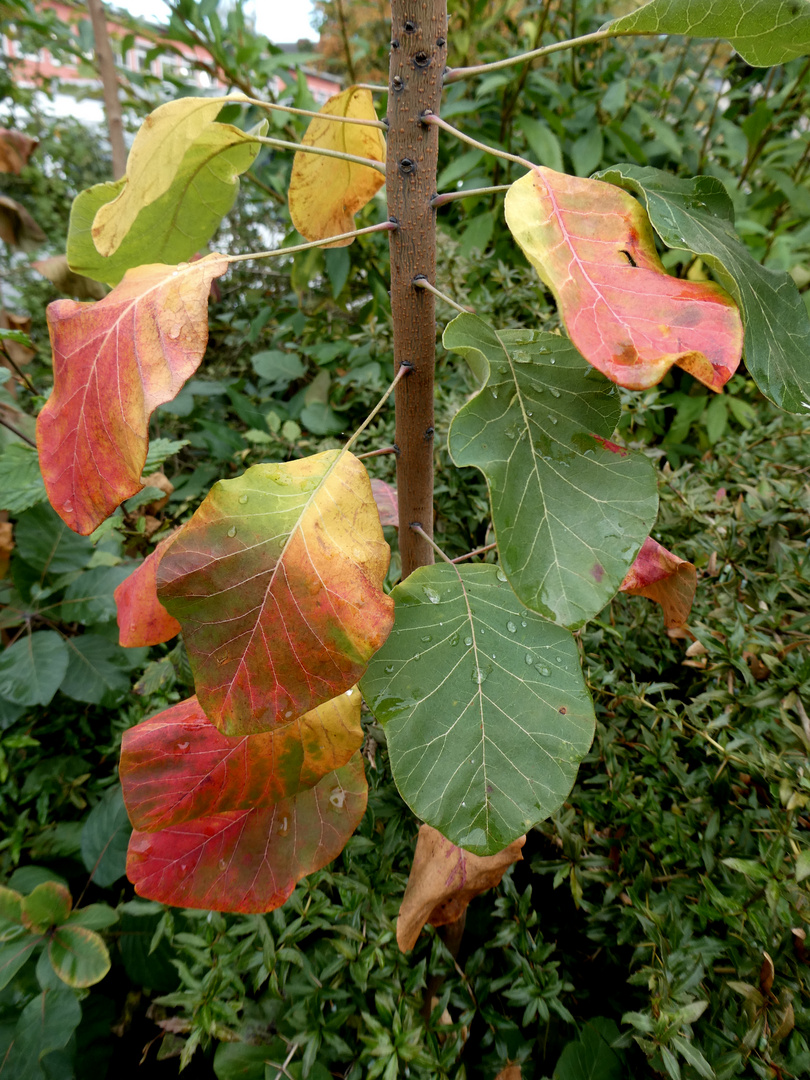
(156, 155)
(325, 192)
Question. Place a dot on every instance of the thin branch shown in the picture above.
(18, 433)
(472, 554)
(423, 283)
(470, 193)
(265, 188)
(454, 74)
(282, 144)
(417, 528)
(404, 370)
(309, 112)
(375, 88)
(383, 226)
(431, 118)
(21, 374)
(378, 453)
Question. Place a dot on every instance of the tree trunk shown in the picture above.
(109, 83)
(418, 53)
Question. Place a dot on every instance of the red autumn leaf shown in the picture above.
(277, 583)
(592, 245)
(250, 860)
(663, 577)
(15, 149)
(444, 879)
(142, 619)
(385, 497)
(177, 766)
(114, 362)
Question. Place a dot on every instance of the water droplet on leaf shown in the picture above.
(510, 626)
(232, 531)
(431, 594)
(243, 499)
(500, 575)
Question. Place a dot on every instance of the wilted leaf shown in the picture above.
(570, 509)
(592, 245)
(114, 362)
(250, 860)
(443, 880)
(79, 956)
(17, 227)
(177, 766)
(177, 224)
(15, 149)
(698, 215)
(485, 709)
(57, 271)
(386, 499)
(325, 193)
(277, 584)
(764, 32)
(142, 619)
(153, 163)
(663, 577)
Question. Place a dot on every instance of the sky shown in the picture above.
(280, 20)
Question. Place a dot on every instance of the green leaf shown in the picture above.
(764, 32)
(543, 143)
(485, 710)
(13, 956)
(570, 513)
(279, 368)
(48, 905)
(803, 865)
(32, 669)
(89, 597)
(241, 1061)
(159, 450)
(586, 152)
(46, 1024)
(10, 905)
(96, 672)
(697, 215)
(105, 836)
(47, 544)
(79, 956)
(93, 917)
(177, 224)
(21, 485)
(750, 867)
(690, 1053)
(591, 1056)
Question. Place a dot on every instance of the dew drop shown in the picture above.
(555, 392)
(68, 507)
(478, 676)
(174, 331)
(529, 412)
(337, 798)
(500, 575)
(349, 692)
(523, 622)
(468, 641)
(183, 746)
(243, 499)
(552, 360)
(426, 637)
(454, 640)
(542, 669)
(283, 826)
(552, 419)
(223, 865)
(529, 658)
(232, 531)
(417, 656)
(494, 393)
(431, 594)
(389, 669)
(558, 659)
(510, 626)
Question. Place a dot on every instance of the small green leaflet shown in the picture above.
(764, 32)
(697, 215)
(485, 709)
(570, 512)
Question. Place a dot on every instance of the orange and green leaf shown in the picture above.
(142, 619)
(114, 362)
(663, 577)
(277, 583)
(593, 246)
(325, 192)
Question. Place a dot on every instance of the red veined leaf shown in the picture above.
(663, 577)
(250, 860)
(385, 497)
(114, 362)
(277, 583)
(177, 766)
(592, 245)
(142, 619)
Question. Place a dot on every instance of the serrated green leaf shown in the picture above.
(485, 710)
(697, 215)
(96, 672)
(159, 450)
(32, 669)
(79, 956)
(764, 32)
(570, 513)
(105, 836)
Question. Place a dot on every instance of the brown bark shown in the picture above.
(418, 54)
(109, 83)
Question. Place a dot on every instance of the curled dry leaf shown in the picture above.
(592, 245)
(114, 362)
(444, 879)
(326, 193)
(385, 497)
(277, 583)
(15, 149)
(511, 1072)
(142, 619)
(57, 271)
(17, 227)
(663, 577)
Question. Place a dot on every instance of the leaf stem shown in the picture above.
(404, 370)
(454, 74)
(472, 554)
(282, 144)
(17, 432)
(375, 88)
(423, 283)
(378, 453)
(470, 193)
(417, 528)
(431, 118)
(383, 226)
(274, 107)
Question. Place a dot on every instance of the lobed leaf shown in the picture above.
(663, 577)
(485, 709)
(764, 32)
(250, 860)
(177, 766)
(697, 215)
(570, 509)
(277, 583)
(142, 619)
(593, 247)
(325, 193)
(115, 361)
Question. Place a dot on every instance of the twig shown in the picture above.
(18, 433)
(282, 1069)
(431, 118)
(378, 453)
(454, 74)
(383, 226)
(423, 283)
(470, 193)
(472, 554)
(21, 374)
(417, 528)
(404, 370)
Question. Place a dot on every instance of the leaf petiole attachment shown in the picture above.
(382, 226)
(431, 118)
(423, 283)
